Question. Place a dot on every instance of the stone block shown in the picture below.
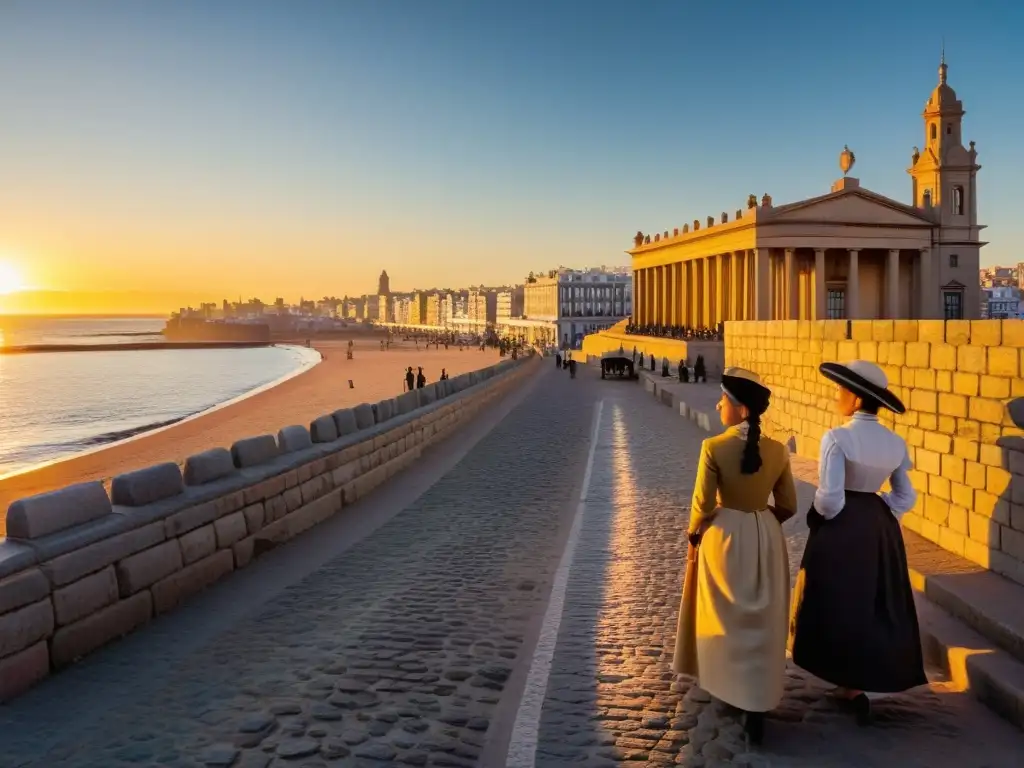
(1003, 361)
(96, 630)
(943, 357)
(230, 529)
(208, 466)
(36, 516)
(924, 401)
(314, 513)
(169, 592)
(294, 438)
(15, 557)
(408, 402)
(932, 331)
(985, 410)
(382, 411)
(364, 416)
(146, 486)
(243, 551)
(198, 543)
(986, 333)
(428, 394)
(25, 626)
(952, 405)
(85, 596)
(74, 565)
(345, 421)
(971, 359)
(143, 569)
(24, 669)
(255, 516)
(18, 589)
(323, 429)
(252, 451)
(918, 354)
(995, 387)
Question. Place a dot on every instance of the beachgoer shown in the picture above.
(410, 379)
(444, 375)
(421, 380)
(733, 614)
(854, 622)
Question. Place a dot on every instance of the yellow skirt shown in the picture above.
(733, 617)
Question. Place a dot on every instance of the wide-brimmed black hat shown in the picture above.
(745, 387)
(864, 379)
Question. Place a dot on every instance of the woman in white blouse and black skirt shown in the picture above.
(853, 620)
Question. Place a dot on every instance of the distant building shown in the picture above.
(432, 316)
(1001, 302)
(509, 304)
(384, 284)
(482, 306)
(579, 302)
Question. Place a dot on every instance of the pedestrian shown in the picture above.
(683, 373)
(572, 369)
(641, 360)
(700, 373)
(410, 379)
(664, 367)
(733, 615)
(421, 380)
(854, 620)
(558, 359)
(444, 375)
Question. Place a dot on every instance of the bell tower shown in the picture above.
(944, 183)
(943, 174)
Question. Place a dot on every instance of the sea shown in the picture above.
(54, 405)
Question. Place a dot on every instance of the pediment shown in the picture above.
(954, 284)
(852, 207)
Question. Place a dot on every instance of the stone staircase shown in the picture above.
(972, 619)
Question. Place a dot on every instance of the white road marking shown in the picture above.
(522, 750)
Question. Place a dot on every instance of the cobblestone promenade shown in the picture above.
(415, 646)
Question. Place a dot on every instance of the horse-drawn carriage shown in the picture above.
(618, 365)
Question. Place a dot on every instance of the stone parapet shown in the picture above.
(86, 569)
(961, 382)
(597, 344)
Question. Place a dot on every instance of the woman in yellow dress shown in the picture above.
(734, 612)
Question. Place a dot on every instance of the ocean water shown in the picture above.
(54, 405)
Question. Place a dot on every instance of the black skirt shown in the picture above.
(854, 623)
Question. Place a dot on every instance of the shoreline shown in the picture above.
(133, 346)
(311, 392)
(146, 431)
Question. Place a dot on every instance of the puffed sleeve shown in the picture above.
(830, 498)
(705, 489)
(784, 492)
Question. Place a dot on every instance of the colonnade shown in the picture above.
(770, 284)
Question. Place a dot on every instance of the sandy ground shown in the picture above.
(323, 389)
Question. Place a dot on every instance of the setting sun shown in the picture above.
(10, 279)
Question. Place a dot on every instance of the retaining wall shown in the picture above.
(597, 344)
(81, 568)
(961, 382)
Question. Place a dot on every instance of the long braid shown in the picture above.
(751, 461)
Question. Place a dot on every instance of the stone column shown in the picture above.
(762, 284)
(820, 292)
(926, 294)
(852, 298)
(736, 286)
(708, 305)
(636, 292)
(792, 309)
(720, 290)
(892, 285)
(680, 300)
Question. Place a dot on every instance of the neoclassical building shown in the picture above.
(851, 253)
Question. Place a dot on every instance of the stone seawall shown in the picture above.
(961, 382)
(82, 567)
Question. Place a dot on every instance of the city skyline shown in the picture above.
(199, 152)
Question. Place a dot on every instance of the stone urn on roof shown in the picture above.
(846, 160)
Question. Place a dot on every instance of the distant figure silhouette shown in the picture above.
(444, 373)
(410, 379)
(421, 380)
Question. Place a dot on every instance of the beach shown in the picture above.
(320, 390)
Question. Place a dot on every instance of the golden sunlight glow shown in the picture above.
(10, 278)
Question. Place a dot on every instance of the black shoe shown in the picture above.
(753, 726)
(862, 709)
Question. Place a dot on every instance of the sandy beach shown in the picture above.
(322, 389)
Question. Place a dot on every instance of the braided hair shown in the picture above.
(751, 461)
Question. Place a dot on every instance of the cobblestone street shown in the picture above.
(413, 646)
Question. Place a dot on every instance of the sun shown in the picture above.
(10, 278)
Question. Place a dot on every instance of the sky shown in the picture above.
(186, 151)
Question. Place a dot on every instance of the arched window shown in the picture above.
(926, 198)
(934, 132)
(958, 200)
(949, 129)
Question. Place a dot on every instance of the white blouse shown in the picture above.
(860, 456)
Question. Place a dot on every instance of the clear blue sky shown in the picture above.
(306, 144)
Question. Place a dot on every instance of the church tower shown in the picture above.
(944, 187)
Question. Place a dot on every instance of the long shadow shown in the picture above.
(610, 694)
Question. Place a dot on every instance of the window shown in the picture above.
(934, 132)
(953, 303)
(836, 306)
(954, 260)
(926, 198)
(958, 201)
(949, 129)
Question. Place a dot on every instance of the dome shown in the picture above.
(943, 98)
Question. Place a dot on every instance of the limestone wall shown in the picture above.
(960, 381)
(81, 568)
(596, 344)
